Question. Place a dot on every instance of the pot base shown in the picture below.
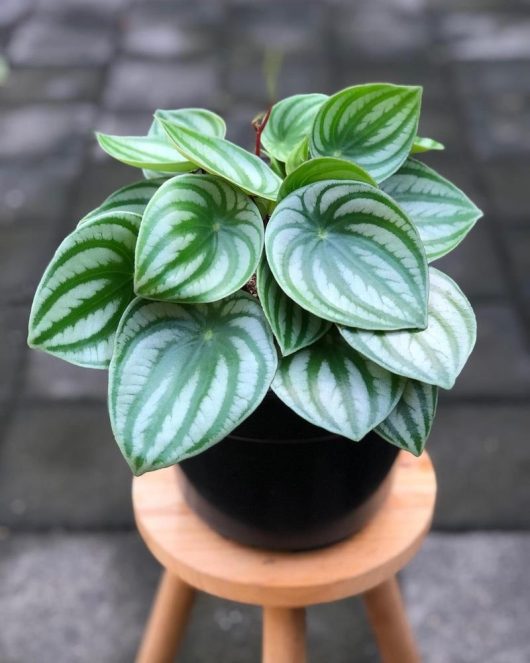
(320, 537)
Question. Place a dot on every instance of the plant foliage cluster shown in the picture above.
(351, 327)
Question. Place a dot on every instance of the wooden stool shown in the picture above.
(195, 557)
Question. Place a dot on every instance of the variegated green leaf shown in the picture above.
(425, 145)
(146, 152)
(442, 213)
(409, 424)
(334, 387)
(297, 157)
(85, 289)
(290, 121)
(182, 377)
(200, 240)
(198, 119)
(323, 168)
(435, 355)
(293, 327)
(225, 159)
(372, 125)
(347, 253)
(130, 198)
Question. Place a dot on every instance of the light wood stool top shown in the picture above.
(195, 556)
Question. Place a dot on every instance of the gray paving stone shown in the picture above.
(485, 36)
(12, 11)
(382, 30)
(246, 82)
(85, 597)
(134, 84)
(467, 598)
(507, 182)
(12, 344)
(99, 6)
(26, 85)
(35, 194)
(162, 31)
(518, 242)
(60, 467)
(24, 253)
(65, 126)
(475, 265)
(62, 39)
(482, 460)
(282, 28)
(51, 378)
(500, 363)
(73, 598)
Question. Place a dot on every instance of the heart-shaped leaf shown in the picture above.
(290, 120)
(298, 155)
(435, 355)
(200, 240)
(410, 422)
(85, 289)
(442, 213)
(336, 388)
(198, 119)
(130, 198)
(372, 125)
(425, 145)
(147, 152)
(293, 327)
(323, 168)
(225, 159)
(183, 377)
(347, 253)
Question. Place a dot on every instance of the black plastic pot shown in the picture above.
(280, 483)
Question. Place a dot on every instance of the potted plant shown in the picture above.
(270, 321)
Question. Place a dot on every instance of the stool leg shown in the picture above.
(390, 625)
(283, 635)
(167, 621)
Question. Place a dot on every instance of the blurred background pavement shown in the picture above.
(75, 580)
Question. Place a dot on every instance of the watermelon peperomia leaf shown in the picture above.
(191, 283)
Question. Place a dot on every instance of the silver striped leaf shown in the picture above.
(372, 125)
(290, 121)
(421, 144)
(409, 424)
(146, 152)
(198, 119)
(347, 253)
(297, 157)
(336, 388)
(441, 212)
(183, 377)
(225, 159)
(200, 240)
(435, 355)
(293, 327)
(85, 289)
(323, 168)
(130, 198)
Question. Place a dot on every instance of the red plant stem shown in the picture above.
(259, 131)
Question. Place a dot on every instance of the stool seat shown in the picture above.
(197, 557)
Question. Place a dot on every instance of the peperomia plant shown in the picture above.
(303, 269)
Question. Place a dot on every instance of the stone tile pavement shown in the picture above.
(75, 582)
